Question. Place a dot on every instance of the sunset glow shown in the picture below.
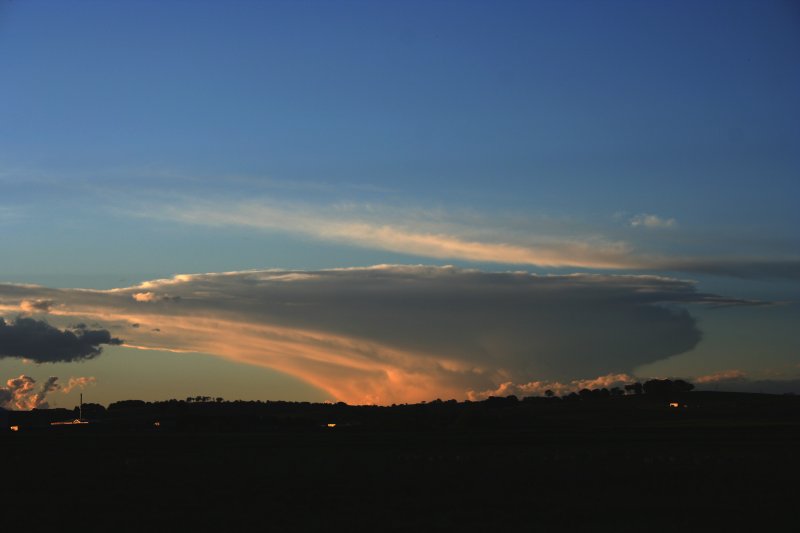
(388, 203)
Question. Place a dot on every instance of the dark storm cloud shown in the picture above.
(40, 342)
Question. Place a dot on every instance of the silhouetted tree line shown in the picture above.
(660, 387)
(595, 406)
(653, 388)
(216, 414)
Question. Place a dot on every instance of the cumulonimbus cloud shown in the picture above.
(388, 334)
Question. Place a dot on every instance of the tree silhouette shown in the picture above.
(664, 387)
(634, 388)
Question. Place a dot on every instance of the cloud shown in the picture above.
(147, 297)
(79, 383)
(744, 268)
(734, 380)
(643, 220)
(723, 376)
(764, 386)
(390, 333)
(538, 388)
(20, 393)
(40, 342)
(36, 306)
(462, 236)
(409, 232)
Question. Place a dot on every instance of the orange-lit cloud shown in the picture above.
(538, 388)
(412, 233)
(725, 375)
(35, 306)
(21, 393)
(389, 334)
(79, 383)
(462, 236)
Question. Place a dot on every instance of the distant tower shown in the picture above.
(80, 409)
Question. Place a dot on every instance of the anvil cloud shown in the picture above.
(388, 334)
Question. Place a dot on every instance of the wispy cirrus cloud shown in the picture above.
(413, 232)
(388, 334)
(444, 235)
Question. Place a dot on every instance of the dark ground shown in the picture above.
(726, 463)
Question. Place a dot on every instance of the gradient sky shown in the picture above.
(609, 140)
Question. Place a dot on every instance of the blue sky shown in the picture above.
(139, 140)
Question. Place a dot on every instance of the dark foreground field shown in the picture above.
(630, 466)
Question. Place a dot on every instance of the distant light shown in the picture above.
(157, 424)
(331, 425)
(14, 428)
(674, 404)
(69, 422)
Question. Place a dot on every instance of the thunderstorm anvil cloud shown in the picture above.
(387, 334)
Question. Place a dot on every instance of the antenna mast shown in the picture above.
(80, 410)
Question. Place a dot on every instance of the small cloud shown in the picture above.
(79, 383)
(723, 376)
(652, 221)
(148, 296)
(36, 306)
(145, 296)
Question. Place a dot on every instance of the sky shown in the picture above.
(388, 202)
